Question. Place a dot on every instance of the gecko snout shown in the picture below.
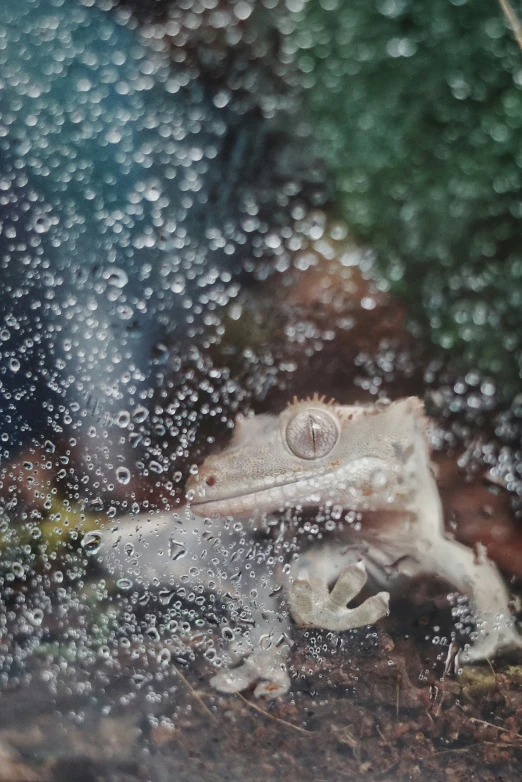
(207, 472)
(204, 479)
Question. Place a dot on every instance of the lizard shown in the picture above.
(364, 458)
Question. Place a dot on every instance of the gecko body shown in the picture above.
(370, 459)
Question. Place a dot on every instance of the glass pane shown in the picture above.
(260, 391)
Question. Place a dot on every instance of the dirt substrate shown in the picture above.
(372, 710)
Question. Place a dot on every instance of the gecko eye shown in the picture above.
(312, 434)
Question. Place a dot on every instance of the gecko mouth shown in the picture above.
(303, 490)
(248, 502)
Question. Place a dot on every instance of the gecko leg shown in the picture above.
(312, 605)
(268, 665)
(256, 652)
(472, 574)
(478, 577)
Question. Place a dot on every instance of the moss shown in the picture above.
(514, 673)
(419, 108)
(60, 528)
(477, 681)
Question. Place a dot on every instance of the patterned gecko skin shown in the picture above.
(373, 459)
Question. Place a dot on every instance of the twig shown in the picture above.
(387, 770)
(398, 692)
(503, 744)
(193, 692)
(440, 704)
(471, 746)
(444, 751)
(276, 719)
(490, 725)
(381, 734)
(512, 18)
(491, 666)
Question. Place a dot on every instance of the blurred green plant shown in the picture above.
(58, 529)
(419, 109)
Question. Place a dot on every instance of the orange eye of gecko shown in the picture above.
(312, 434)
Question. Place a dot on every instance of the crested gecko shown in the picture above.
(367, 458)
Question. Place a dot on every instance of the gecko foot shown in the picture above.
(312, 605)
(267, 665)
(493, 640)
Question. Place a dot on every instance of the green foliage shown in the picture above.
(419, 107)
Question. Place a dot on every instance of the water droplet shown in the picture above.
(123, 419)
(164, 657)
(140, 414)
(165, 596)
(177, 550)
(91, 542)
(36, 616)
(123, 475)
(116, 277)
(160, 354)
(152, 633)
(379, 479)
(152, 193)
(42, 224)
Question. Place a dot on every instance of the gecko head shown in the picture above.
(311, 453)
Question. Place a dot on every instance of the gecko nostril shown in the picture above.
(210, 481)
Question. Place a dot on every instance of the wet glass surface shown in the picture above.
(216, 217)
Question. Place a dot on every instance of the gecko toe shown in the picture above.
(268, 666)
(489, 645)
